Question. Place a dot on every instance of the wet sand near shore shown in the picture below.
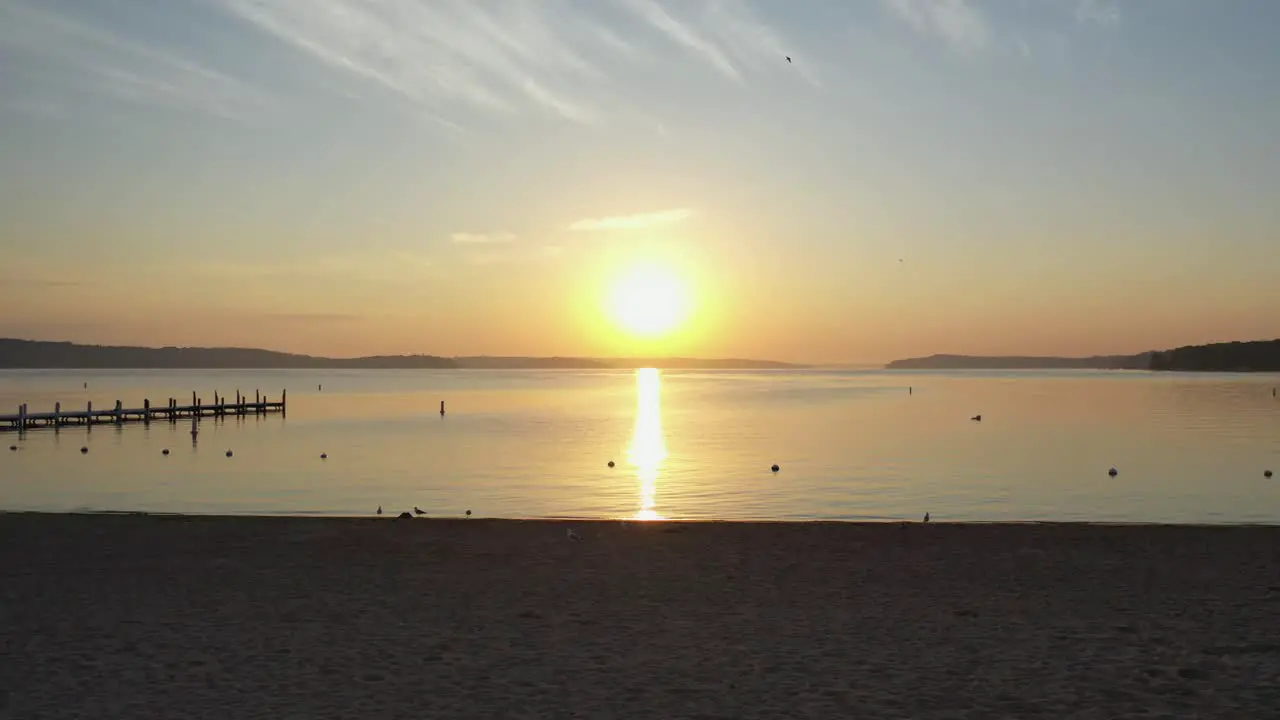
(130, 616)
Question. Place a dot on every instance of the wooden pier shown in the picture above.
(24, 420)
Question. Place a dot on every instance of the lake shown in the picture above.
(851, 445)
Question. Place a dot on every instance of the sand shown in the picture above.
(179, 617)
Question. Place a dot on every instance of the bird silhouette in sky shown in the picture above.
(788, 58)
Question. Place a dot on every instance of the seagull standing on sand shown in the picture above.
(926, 517)
(418, 511)
(379, 509)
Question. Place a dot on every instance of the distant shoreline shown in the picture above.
(18, 354)
(1233, 357)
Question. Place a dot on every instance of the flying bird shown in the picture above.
(788, 58)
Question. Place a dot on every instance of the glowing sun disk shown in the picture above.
(649, 301)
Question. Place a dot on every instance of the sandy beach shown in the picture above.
(124, 616)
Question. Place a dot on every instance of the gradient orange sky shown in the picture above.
(323, 176)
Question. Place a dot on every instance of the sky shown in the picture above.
(464, 177)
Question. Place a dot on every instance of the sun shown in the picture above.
(649, 300)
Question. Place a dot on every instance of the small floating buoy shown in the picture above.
(84, 450)
(610, 463)
(1266, 473)
(978, 418)
(468, 513)
(13, 448)
(1113, 472)
(324, 456)
(775, 468)
(164, 451)
(228, 453)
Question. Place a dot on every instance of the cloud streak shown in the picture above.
(684, 35)
(957, 22)
(511, 58)
(963, 26)
(503, 58)
(121, 68)
(1103, 13)
(751, 42)
(638, 221)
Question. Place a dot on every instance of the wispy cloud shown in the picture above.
(963, 25)
(120, 67)
(684, 35)
(470, 238)
(496, 58)
(1104, 13)
(958, 22)
(751, 42)
(631, 222)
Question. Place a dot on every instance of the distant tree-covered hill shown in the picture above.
(973, 362)
(1253, 356)
(562, 363)
(36, 354)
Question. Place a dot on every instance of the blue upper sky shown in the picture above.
(463, 176)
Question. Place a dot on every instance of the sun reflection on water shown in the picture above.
(648, 444)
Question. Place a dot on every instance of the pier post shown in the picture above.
(119, 407)
(146, 410)
(88, 414)
(22, 417)
(194, 400)
(441, 408)
(284, 401)
(57, 414)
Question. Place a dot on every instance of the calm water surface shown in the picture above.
(851, 445)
